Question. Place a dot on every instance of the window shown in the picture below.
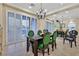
(34, 25)
(71, 26)
(56, 26)
(25, 25)
(49, 26)
(18, 32)
(10, 27)
(18, 27)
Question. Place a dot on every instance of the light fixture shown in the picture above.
(45, 10)
(61, 4)
(54, 15)
(66, 12)
(31, 5)
(41, 14)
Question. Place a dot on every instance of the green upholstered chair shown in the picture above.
(39, 32)
(53, 39)
(42, 45)
(45, 31)
(30, 36)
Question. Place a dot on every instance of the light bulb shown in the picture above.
(45, 10)
(30, 7)
(66, 11)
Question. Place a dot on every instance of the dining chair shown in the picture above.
(44, 44)
(30, 36)
(45, 31)
(65, 35)
(39, 32)
(53, 39)
(71, 37)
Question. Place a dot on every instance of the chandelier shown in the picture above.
(41, 14)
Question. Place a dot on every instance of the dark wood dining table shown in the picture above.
(36, 40)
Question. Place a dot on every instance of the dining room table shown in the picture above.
(36, 40)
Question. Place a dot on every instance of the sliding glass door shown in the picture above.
(17, 30)
(18, 27)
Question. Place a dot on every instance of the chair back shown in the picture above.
(73, 33)
(30, 34)
(66, 32)
(39, 32)
(55, 35)
(45, 31)
(46, 39)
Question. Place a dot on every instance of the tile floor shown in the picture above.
(62, 50)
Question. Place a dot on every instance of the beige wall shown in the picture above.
(3, 21)
(0, 13)
(1, 31)
(0, 18)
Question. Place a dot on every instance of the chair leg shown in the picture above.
(27, 48)
(75, 43)
(28, 45)
(64, 41)
(48, 51)
(71, 44)
(43, 52)
(55, 45)
(32, 48)
(52, 47)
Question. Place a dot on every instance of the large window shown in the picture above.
(18, 32)
(71, 26)
(11, 27)
(34, 25)
(25, 25)
(18, 27)
(49, 26)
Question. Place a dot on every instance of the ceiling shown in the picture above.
(52, 8)
(68, 14)
(36, 7)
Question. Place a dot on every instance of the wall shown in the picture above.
(1, 14)
(3, 21)
(1, 30)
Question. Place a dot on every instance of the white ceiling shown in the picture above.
(48, 6)
(73, 13)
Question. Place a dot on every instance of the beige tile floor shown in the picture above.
(62, 50)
